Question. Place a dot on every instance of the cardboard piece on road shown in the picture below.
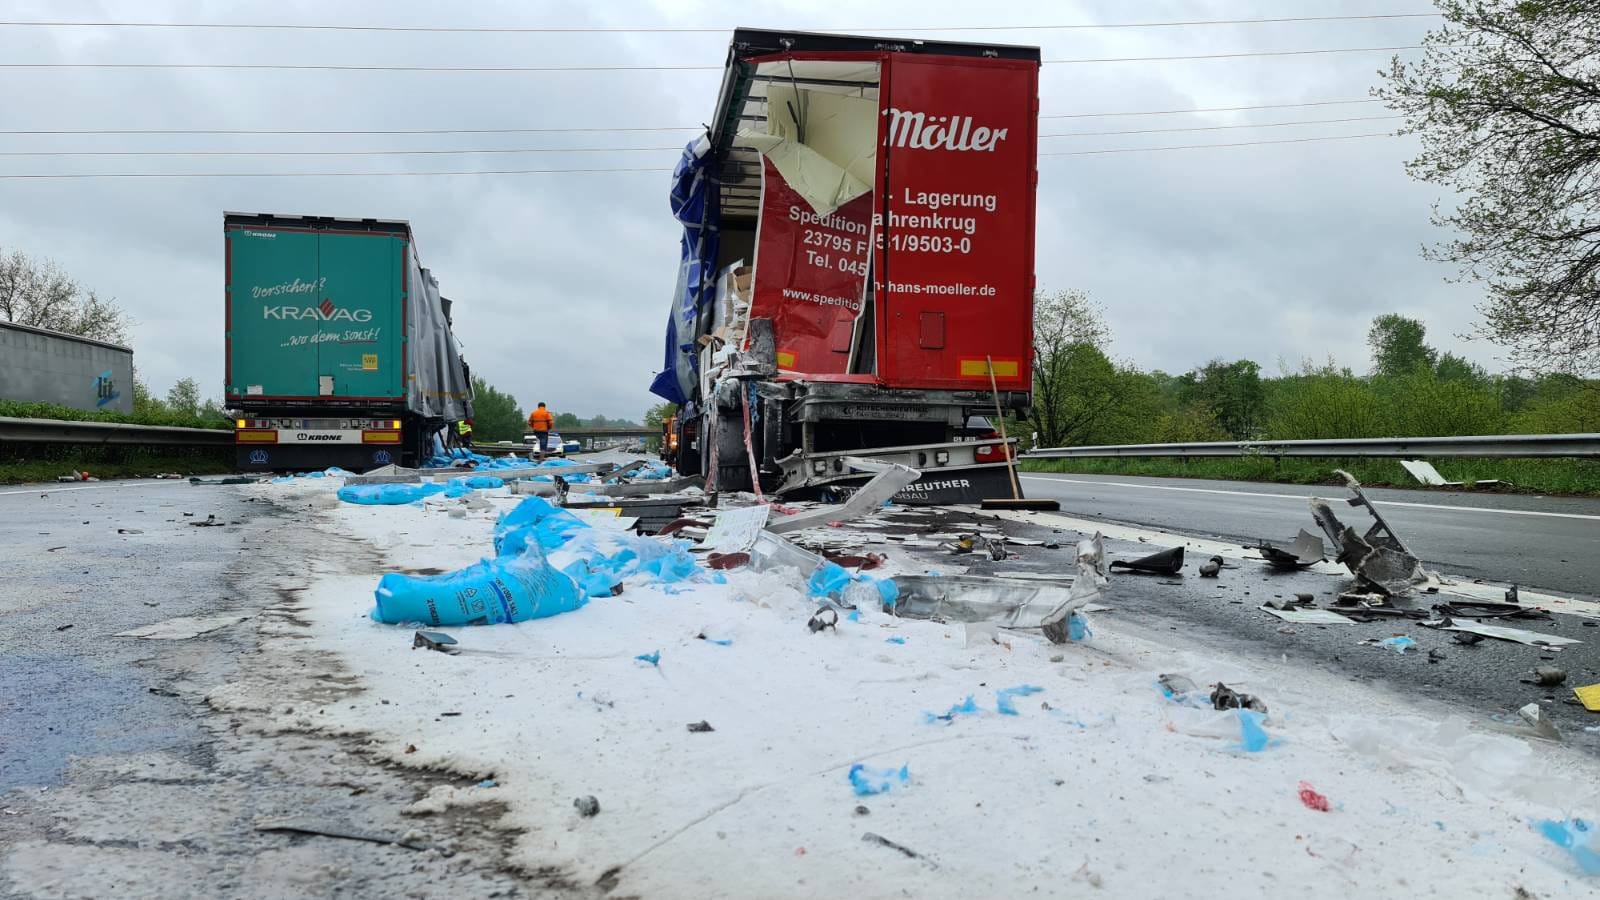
(890, 480)
(606, 518)
(736, 530)
(1519, 635)
(1309, 616)
(1589, 696)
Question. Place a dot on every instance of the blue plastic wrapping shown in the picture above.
(967, 707)
(1003, 697)
(894, 640)
(1252, 737)
(1399, 644)
(694, 205)
(387, 494)
(1577, 837)
(536, 522)
(1078, 628)
(492, 592)
(866, 781)
(653, 658)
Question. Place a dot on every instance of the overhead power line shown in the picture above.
(1174, 112)
(1305, 140)
(668, 29)
(588, 130)
(330, 67)
(445, 152)
(598, 171)
(1216, 127)
(502, 150)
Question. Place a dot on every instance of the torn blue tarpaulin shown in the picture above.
(387, 494)
(492, 592)
(694, 205)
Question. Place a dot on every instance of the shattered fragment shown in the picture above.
(1224, 697)
(1378, 559)
(1211, 567)
(1164, 562)
(1305, 550)
(433, 640)
(588, 806)
(826, 617)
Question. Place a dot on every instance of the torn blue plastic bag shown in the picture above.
(653, 658)
(478, 482)
(1078, 628)
(867, 781)
(1399, 644)
(1252, 737)
(387, 494)
(1003, 697)
(492, 592)
(967, 707)
(1577, 837)
(534, 522)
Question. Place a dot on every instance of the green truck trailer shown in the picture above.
(339, 345)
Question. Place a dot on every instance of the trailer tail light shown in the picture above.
(380, 437)
(395, 424)
(256, 436)
(995, 452)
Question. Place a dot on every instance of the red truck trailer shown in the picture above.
(858, 229)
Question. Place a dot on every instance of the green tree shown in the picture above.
(1072, 378)
(1506, 101)
(37, 293)
(568, 420)
(1231, 392)
(1398, 345)
(661, 412)
(184, 397)
(1451, 367)
(495, 414)
(145, 403)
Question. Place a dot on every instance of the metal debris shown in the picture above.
(1164, 562)
(1378, 559)
(588, 806)
(866, 501)
(1211, 567)
(1542, 726)
(433, 640)
(1305, 550)
(909, 853)
(1006, 602)
(700, 727)
(1224, 697)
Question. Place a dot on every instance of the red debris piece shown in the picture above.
(1312, 799)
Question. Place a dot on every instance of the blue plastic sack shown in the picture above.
(1399, 644)
(1577, 837)
(492, 592)
(866, 781)
(534, 522)
(387, 494)
(1003, 697)
(1078, 628)
(478, 482)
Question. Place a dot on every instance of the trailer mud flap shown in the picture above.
(932, 489)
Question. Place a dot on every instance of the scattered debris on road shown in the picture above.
(1211, 567)
(588, 806)
(434, 640)
(1305, 550)
(1164, 562)
(902, 849)
(1379, 559)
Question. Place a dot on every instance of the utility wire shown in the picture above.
(652, 29)
(1211, 127)
(1173, 112)
(471, 151)
(322, 67)
(396, 131)
(447, 152)
(1306, 140)
(1109, 151)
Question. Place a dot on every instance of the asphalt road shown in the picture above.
(1551, 543)
(118, 779)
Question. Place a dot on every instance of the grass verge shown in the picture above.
(1542, 476)
(45, 462)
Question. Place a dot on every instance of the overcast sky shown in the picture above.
(562, 282)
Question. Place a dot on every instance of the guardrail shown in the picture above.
(1484, 446)
(62, 431)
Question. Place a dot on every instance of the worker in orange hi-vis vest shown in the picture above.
(541, 423)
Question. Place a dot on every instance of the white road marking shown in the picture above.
(1193, 490)
(1201, 547)
(95, 487)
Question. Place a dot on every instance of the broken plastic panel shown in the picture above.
(1306, 549)
(890, 480)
